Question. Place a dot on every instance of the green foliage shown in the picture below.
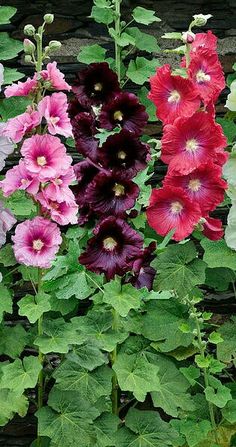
(217, 254)
(7, 257)
(13, 340)
(102, 15)
(12, 75)
(21, 205)
(57, 336)
(11, 403)
(5, 301)
(229, 129)
(9, 48)
(150, 108)
(226, 351)
(91, 53)
(33, 307)
(144, 16)
(14, 106)
(122, 298)
(20, 375)
(143, 41)
(140, 69)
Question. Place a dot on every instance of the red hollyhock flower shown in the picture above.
(170, 208)
(124, 154)
(206, 40)
(84, 129)
(173, 96)
(203, 185)
(96, 84)
(110, 194)
(189, 142)
(113, 248)
(221, 157)
(126, 111)
(143, 273)
(206, 72)
(212, 228)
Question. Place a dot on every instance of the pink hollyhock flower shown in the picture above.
(16, 128)
(206, 40)
(55, 77)
(57, 190)
(45, 156)
(19, 178)
(21, 88)
(36, 242)
(6, 146)
(189, 142)
(170, 208)
(204, 185)
(212, 228)
(63, 213)
(7, 220)
(206, 72)
(54, 109)
(173, 96)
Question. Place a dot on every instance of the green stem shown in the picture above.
(118, 32)
(187, 54)
(41, 359)
(113, 356)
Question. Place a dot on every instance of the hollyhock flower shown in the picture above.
(109, 194)
(204, 185)
(7, 220)
(113, 248)
(173, 96)
(126, 111)
(21, 88)
(16, 128)
(206, 72)
(56, 78)
(84, 173)
(96, 84)
(124, 153)
(63, 213)
(84, 130)
(19, 178)
(6, 146)
(143, 272)
(189, 142)
(74, 108)
(57, 189)
(54, 109)
(206, 40)
(36, 242)
(170, 208)
(45, 156)
(221, 157)
(212, 228)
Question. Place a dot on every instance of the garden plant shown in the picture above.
(109, 265)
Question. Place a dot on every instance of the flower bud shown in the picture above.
(201, 19)
(29, 30)
(28, 58)
(29, 46)
(54, 45)
(188, 37)
(48, 18)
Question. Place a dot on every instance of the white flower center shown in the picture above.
(191, 145)
(118, 116)
(24, 181)
(194, 185)
(98, 87)
(174, 96)
(201, 76)
(58, 181)
(176, 207)
(41, 161)
(54, 119)
(109, 243)
(38, 244)
(122, 155)
(118, 189)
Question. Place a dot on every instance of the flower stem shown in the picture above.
(113, 356)
(41, 359)
(118, 32)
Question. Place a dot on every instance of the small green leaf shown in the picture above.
(106, 427)
(104, 134)
(13, 340)
(91, 53)
(140, 70)
(21, 205)
(57, 336)
(11, 403)
(229, 129)
(122, 298)
(102, 15)
(5, 301)
(215, 338)
(191, 374)
(20, 375)
(229, 411)
(14, 106)
(87, 356)
(33, 307)
(173, 35)
(12, 75)
(217, 254)
(226, 351)
(143, 41)
(145, 16)
(7, 257)
(202, 362)
(6, 13)
(217, 393)
(150, 108)
(9, 48)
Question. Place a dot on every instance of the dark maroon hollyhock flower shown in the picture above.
(113, 248)
(84, 129)
(84, 172)
(124, 153)
(96, 84)
(126, 111)
(110, 194)
(74, 108)
(143, 273)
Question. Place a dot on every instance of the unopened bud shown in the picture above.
(201, 19)
(48, 18)
(29, 46)
(28, 58)
(54, 45)
(188, 37)
(29, 30)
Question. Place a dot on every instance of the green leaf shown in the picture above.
(12, 75)
(145, 16)
(217, 254)
(191, 374)
(145, 429)
(194, 431)
(229, 169)
(74, 284)
(91, 384)
(179, 269)
(123, 40)
(7, 257)
(167, 316)
(11, 403)
(57, 336)
(102, 3)
(105, 428)
(140, 70)
(229, 411)
(150, 108)
(202, 361)
(217, 393)
(226, 351)
(5, 301)
(215, 338)
(229, 129)
(67, 421)
(143, 41)
(102, 15)
(20, 375)
(65, 307)
(9, 48)
(122, 298)
(6, 13)
(91, 53)
(136, 374)
(173, 35)
(14, 106)
(219, 278)
(33, 307)
(29, 273)
(12, 340)
(103, 134)
(21, 205)
(87, 356)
